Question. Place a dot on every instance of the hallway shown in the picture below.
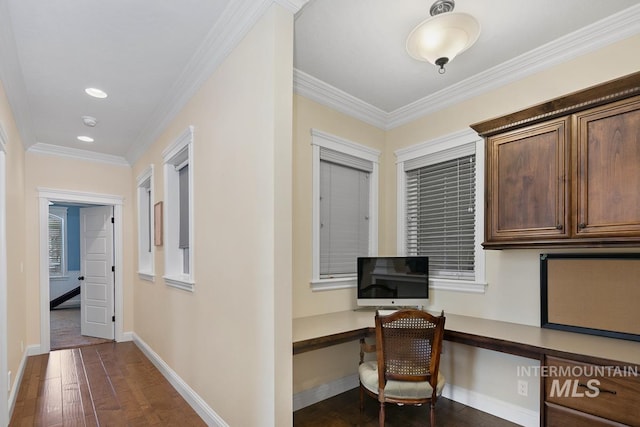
(107, 384)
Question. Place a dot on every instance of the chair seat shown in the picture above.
(397, 389)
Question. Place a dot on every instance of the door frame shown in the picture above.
(46, 195)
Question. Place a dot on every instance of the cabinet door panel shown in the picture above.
(608, 170)
(527, 189)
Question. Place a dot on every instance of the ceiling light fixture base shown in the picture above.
(442, 6)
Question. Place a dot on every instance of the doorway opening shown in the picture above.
(97, 270)
(68, 314)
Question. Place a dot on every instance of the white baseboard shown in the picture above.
(508, 411)
(197, 403)
(31, 350)
(34, 350)
(126, 336)
(314, 395)
(499, 408)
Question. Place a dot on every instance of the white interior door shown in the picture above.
(96, 265)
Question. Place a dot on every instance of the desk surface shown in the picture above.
(319, 331)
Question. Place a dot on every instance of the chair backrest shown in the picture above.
(409, 343)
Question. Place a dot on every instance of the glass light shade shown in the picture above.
(443, 36)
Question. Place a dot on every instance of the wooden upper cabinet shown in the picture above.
(567, 171)
(607, 179)
(527, 186)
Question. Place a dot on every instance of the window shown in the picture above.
(146, 248)
(178, 212)
(345, 205)
(440, 215)
(57, 241)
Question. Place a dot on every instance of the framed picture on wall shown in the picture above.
(157, 224)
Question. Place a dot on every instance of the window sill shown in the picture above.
(59, 278)
(149, 277)
(466, 286)
(332, 284)
(182, 283)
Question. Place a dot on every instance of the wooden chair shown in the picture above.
(408, 347)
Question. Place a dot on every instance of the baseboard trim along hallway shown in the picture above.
(193, 399)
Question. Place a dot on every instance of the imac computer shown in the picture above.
(393, 281)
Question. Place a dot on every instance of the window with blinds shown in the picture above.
(145, 225)
(440, 216)
(344, 209)
(344, 212)
(178, 212)
(56, 246)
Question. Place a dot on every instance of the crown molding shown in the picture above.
(602, 33)
(74, 153)
(225, 34)
(292, 6)
(323, 93)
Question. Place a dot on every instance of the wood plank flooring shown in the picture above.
(344, 410)
(111, 384)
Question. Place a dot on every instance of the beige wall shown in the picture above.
(72, 175)
(513, 275)
(15, 228)
(230, 339)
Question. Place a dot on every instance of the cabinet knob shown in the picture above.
(559, 227)
(582, 225)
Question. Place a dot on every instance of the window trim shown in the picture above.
(61, 212)
(441, 149)
(146, 271)
(174, 155)
(319, 140)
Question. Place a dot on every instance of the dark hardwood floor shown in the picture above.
(343, 410)
(111, 384)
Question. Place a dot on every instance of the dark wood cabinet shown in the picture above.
(607, 179)
(585, 394)
(527, 187)
(566, 172)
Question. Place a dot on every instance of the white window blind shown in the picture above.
(183, 177)
(440, 209)
(56, 245)
(344, 212)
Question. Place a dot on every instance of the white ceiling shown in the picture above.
(151, 56)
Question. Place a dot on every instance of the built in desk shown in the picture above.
(314, 332)
(550, 347)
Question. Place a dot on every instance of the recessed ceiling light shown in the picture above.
(96, 93)
(85, 138)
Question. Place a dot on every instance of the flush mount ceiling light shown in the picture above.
(85, 138)
(95, 92)
(443, 36)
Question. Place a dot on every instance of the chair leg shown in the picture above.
(381, 415)
(432, 410)
(361, 398)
